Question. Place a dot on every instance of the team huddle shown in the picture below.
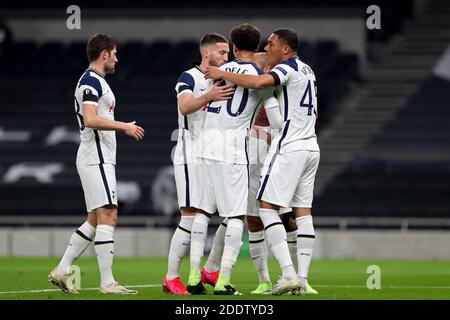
(225, 109)
(222, 106)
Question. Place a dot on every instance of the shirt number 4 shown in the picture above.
(308, 96)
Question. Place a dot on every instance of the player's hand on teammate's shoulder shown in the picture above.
(213, 73)
(133, 130)
(220, 91)
(267, 69)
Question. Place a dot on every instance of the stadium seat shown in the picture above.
(415, 186)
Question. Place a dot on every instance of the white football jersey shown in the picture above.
(96, 146)
(296, 93)
(190, 126)
(228, 122)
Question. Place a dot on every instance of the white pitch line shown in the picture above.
(157, 285)
(82, 289)
(384, 287)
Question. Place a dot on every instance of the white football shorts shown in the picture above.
(189, 186)
(226, 188)
(287, 179)
(99, 185)
(253, 203)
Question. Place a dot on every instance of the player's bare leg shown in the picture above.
(232, 246)
(305, 245)
(79, 241)
(258, 253)
(277, 240)
(104, 248)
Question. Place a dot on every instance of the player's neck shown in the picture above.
(98, 68)
(246, 56)
(203, 65)
(289, 55)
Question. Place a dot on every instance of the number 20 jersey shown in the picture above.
(228, 122)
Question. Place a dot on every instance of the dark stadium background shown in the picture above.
(384, 127)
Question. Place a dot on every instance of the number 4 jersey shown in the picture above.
(296, 93)
(228, 122)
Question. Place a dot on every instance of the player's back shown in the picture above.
(228, 122)
(296, 92)
(96, 146)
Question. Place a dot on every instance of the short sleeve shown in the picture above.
(185, 83)
(280, 74)
(92, 90)
(90, 96)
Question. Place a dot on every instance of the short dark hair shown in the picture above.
(212, 38)
(96, 44)
(245, 37)
(289, 36)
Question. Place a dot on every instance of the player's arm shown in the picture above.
(92, 120)
(272, 109)
(273, 113)
(188, 104)
(242, 80)
(268, 116)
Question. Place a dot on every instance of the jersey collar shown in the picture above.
(96, 72)
(199, 69)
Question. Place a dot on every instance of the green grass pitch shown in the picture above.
(334, 279)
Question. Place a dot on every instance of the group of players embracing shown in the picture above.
(228, 114)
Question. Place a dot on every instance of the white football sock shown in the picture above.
(233, 243)
(215, 256)
(292, 244)
(276, 238)
(79, 241)
(305, 244)
(104, 248)
(258, 252)
(199, 233)
(179, 246)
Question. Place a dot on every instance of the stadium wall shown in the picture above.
(330, 244)
(47, 242)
